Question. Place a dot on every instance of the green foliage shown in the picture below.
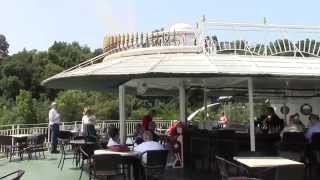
(71, 104)
(10, 86)
(25, 109)
(4, 46)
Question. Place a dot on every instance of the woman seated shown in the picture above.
(293, 126)
(152, 129)
(113, 137)
(138, 134)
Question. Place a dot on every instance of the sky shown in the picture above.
(36, 24)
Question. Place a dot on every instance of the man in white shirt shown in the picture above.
(147, 145)
(54, 121)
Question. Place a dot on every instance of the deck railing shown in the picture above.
(101, 127)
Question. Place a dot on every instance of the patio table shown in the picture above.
(262, 166)
(256, 162)
(108, 151)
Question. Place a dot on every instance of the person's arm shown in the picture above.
(309, 134)
(51, 116)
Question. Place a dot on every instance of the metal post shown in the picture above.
(251, 115)
(122, 114)
(205, 104)
(182, 103)
(18, 129)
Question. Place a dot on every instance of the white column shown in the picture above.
(205, 103)
(122, 115)
(182, 104)
(251, 115)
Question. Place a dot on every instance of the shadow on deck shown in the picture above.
(47, 169)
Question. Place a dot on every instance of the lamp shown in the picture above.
(142, 88)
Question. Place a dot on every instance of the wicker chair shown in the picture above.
(37, 145)
(107, 165)
(87, 152)
(14, 175)
(155, 162)
(293, 146)
(6, 142)
(229, 169)
(64, 142)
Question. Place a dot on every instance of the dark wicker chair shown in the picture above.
(107, 165)
(64, 142)
(37, 145)
(6, 143)
(14, 175)
(155, 163)
(229, 169)
(20, 146)
(87, 152)
(293, 146)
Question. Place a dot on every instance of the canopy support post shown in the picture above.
(182, 103)
(251, 115)
(205, 103)
(122, 114)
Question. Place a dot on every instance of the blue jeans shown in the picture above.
(54, 134)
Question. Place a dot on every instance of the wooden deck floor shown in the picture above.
(47, 169)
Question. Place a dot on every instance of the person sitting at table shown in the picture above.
(314, 126)
(89, 121)
(172, 130)
(138, 134)
(270, 122)
(223, 120)
(147, 119)
(293, 126)
(298, 121)
(114, 139)
(147, 145)
(152, 129)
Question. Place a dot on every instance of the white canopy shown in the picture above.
(173, 65)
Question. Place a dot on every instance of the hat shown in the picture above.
(53, 104)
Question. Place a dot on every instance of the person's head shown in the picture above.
(113, 132)
(313, 118)
(296, 116)
(222, 114)
(53, 105)
(152, 126)
(88, 111)
(147, 136)
(293, 120)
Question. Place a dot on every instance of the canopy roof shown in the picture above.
(164, 68)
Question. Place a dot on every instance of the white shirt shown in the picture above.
(147, 146)
(54, 116)
(111, 142)
(89, 119)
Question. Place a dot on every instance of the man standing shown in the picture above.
(54, 121)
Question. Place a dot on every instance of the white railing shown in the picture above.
(101, 127)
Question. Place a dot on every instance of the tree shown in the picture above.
(10, 86)
(4, 46)
(25, 109)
